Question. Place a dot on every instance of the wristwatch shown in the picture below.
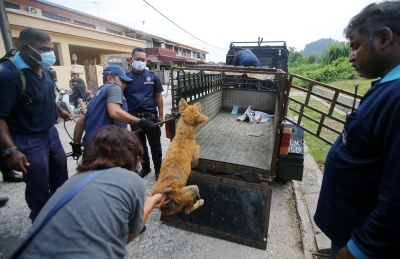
(9, 152)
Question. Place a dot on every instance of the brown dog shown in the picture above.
(182, 154)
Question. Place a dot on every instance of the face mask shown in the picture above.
(48, 58)
(139, 65)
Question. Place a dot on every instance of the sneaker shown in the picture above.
(144, 172)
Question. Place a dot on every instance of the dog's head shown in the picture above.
(191, 114)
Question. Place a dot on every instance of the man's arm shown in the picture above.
(158, 89)
(114, 102)
(79, 129)
(17, 160)
(160, 106)
(63, 114)
(115, 111)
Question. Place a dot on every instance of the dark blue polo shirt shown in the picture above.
(360, 193)
(246, 58)
(140, 93)
(97, 115)
(22, 115)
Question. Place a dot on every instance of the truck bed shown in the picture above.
(224, 139)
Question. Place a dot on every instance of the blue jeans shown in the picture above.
(48, 166)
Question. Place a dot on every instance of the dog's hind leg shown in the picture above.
(190, 198)
(195, 206)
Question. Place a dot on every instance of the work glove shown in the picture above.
(76, 150)
(146, 125)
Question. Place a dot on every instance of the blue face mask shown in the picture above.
(139, 65)
(48, 58)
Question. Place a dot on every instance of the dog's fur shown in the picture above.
(182, 154)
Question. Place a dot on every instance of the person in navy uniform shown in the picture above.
(245, 58)
(145, 100)
(28, 138)
(359, 202)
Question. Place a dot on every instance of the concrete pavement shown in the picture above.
(306, 194)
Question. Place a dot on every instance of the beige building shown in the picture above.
(93, 41)
(71, 33)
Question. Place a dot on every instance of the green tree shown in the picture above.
(292, 50)
(296, 57)
(312, 59)
(335, 51)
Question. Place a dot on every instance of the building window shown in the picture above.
(85, 24)
(12, 6)
(114, 31)
(55, 17)
(198, 54)
(156, 44)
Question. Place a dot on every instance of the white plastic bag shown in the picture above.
(255, 116)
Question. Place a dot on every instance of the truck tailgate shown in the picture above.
(233, 210)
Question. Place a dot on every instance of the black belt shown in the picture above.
(143, 114)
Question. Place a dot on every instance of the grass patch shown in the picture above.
(348, 85)
(318, 149)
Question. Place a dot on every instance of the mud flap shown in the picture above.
(233, 210)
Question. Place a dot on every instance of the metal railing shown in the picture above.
(192, 83)
(328, 121)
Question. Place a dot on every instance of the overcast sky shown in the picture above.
(219, 22)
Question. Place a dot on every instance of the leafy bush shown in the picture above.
(335, 51)
(339, 69)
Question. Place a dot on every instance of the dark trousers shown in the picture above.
(3, 161)
(334, 250)
(48, 166)
(153, 137)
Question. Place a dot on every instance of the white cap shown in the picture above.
(74, 71)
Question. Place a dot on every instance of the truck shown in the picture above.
(239, 160)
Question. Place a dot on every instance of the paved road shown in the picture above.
(160, 240)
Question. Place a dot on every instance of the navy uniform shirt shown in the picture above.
(246, 58)
(35, 114)
(360, 193)
(140, 93)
